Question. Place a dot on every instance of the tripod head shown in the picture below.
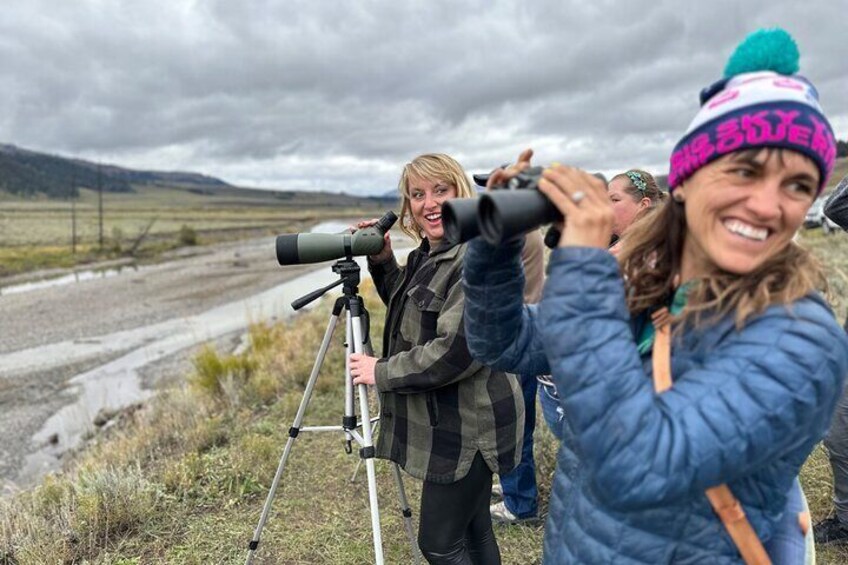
(348, 271)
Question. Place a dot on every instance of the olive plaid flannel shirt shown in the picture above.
(439, 405)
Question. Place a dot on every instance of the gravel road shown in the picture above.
(52, 335)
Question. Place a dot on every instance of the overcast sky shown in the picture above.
(338, 95)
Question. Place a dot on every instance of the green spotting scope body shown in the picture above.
(300, 248)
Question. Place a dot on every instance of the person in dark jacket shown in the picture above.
(834, 529)
(518, 490)
(446, 419)
(757, 358)
(836, 206)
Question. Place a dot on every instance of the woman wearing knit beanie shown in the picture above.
(699, 369)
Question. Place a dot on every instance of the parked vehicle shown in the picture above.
(816, 218)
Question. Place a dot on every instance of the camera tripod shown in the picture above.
(352, 304)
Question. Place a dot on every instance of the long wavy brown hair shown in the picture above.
(650, 260)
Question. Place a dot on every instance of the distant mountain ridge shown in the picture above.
(28, 173)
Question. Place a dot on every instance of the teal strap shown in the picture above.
(646, 337)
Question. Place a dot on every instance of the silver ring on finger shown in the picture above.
(578, 196)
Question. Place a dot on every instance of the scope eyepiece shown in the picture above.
(385, 223)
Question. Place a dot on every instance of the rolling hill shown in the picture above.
(29, 173)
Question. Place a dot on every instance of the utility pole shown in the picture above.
(73, 217)
(100, 206)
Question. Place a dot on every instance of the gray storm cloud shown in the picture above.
(338, 95)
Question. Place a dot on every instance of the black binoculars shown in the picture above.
(509, 210)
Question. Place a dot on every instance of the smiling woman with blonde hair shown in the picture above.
(433, 166)
(446, 419)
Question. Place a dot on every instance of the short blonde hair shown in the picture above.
(432, 167)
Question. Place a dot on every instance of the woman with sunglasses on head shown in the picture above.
(698, 370)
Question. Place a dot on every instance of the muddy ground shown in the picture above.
(50, 335)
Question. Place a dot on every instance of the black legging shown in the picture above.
(456, 527)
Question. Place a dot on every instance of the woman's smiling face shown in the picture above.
(425, 201)
(744, 208)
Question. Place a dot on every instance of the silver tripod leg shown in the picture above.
(367, 451)
(405, 509)
(353, 338)
(368, 351)
(293, 432)
(407, 515)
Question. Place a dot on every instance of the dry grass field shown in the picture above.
(37, 234)
(184, 479)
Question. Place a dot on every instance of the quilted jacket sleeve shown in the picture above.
(764, 391)
(500, 329)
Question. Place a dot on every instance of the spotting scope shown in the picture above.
(300, 248)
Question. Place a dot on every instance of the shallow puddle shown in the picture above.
(75, 277)
(333, 226)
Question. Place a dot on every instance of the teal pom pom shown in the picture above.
(765, 50)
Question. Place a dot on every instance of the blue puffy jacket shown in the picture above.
(746, 409)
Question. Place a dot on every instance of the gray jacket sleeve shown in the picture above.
(533, 261)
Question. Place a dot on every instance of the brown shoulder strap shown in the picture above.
(722, 500)
(661, 356)
(737, 525)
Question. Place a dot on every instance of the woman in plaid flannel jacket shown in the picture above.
(446, 418)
